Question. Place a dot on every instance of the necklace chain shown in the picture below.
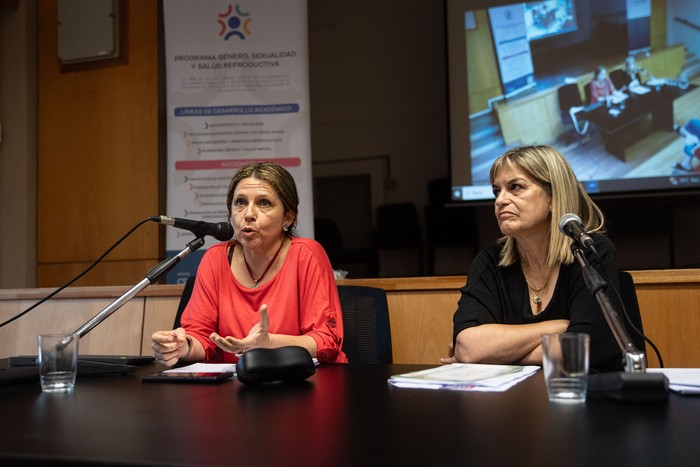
(269, 265)
(537, 299)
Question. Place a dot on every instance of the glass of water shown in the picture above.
(58, 361)
(565, 364)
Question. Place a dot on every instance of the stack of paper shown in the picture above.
(656, 82)
(681, 380)
(618, 98)
(639, 89)
(465, 377)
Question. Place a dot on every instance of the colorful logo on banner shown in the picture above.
(234, 24)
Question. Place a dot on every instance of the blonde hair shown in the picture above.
(548, 168)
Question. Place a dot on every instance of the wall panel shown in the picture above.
(98, 155)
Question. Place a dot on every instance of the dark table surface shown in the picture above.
(343, 415)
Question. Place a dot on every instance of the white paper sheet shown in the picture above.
(204, 368)
(465, 377)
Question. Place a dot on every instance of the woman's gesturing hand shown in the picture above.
(258, 337)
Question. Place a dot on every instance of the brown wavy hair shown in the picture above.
(278, 178)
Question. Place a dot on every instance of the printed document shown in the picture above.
(465, 377)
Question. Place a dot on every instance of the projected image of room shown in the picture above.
(612, 84)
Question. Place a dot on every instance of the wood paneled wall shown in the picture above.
(420, 312)
(483, 78)
(98, 156)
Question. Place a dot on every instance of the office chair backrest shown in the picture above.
(184, 298)
(327, 234)
(619, 78)
(367, 334)
(439, 192)
(397, 226)
(394, 218)
(453, 226)
(569, 96)
(628, 294)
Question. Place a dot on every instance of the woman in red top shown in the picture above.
(601, 88)
(265, 289)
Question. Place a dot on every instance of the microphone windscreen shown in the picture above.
(566, 219)
(225, 232)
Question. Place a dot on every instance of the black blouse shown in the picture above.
(500, 295)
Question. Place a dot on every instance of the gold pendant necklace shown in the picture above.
(537, 299)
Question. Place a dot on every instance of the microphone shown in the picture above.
(222, 231)
(571, 226)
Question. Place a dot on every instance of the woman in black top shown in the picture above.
(529, 283)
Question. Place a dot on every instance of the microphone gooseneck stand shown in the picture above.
(152, 276)
(634, 383)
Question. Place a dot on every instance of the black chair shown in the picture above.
(619, 78)
(628, 294)
(367, 334)
(328, 235)
(452, 227)
(398, 229)
(184, 298)
(569, 96)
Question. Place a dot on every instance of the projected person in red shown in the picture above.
(601, 88)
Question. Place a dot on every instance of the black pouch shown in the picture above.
(289, 363)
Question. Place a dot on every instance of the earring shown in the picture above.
(285, 227)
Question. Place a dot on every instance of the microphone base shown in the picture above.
(624, 386)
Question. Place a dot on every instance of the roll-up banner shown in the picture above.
(237, 92)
